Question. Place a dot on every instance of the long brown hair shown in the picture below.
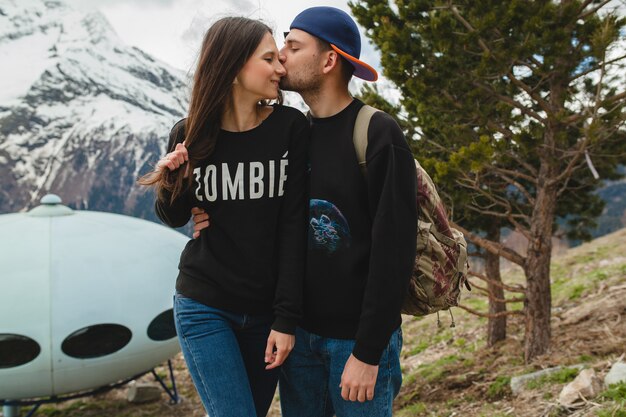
(227, 46)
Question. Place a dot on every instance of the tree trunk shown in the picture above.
(496, 328)
(538, 302)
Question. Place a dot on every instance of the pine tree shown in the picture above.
(508, 102)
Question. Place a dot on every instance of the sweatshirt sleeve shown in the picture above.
(391, 185)
(177, 213)
(292, 233)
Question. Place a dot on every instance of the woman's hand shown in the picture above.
(174, 159)
(283, 343)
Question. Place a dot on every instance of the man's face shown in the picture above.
(302, 59)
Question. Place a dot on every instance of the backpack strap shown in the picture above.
(359, 135)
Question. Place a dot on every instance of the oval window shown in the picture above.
(16, 350)
(162, 327)
(96, 341)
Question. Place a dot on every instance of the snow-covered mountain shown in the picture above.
(81, 113)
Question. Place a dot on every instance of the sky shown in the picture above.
(172, 30)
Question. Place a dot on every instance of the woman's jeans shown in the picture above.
(225, 354)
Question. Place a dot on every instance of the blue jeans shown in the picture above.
(225, 354)
(309, 379)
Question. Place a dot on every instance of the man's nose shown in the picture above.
(282, 57)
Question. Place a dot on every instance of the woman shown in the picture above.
(238, 292)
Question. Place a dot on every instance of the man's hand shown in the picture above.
(200, 220)
(283, 343)
(358, 380)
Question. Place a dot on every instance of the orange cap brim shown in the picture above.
(362, 70)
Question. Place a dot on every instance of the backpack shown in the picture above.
(441, 265)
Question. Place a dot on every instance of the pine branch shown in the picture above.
(493, 247)
(467, 25)
(507, 216)
(567, 172)
(596, 68)
(584, 6)
(492, 297)
(517, 174)
(594, 10)
(511, 288)
(519, 228)
(516, 184)
(501, 300)
(614, 98)
(505, 131)
(488, 212)
(491, 316)
(508, 100)
(531, 93)
(533, 171)
(566, 181)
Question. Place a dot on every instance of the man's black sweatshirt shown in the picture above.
(362, 232)
(251, 259)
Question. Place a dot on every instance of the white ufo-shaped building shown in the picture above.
(86, 299)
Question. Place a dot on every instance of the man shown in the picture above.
(362, 233)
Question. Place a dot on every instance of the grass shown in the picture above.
(78, 406)
(436, 370)
(499, 388)
(421, 346)
(617, 411)
(476, 303)
(598, 275)
(413, 410)
(409, 379)
(576, 291)
(615, 392)
(489, 410)
(460, 342)
(561, 376)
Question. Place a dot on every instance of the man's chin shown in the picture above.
(285, 86)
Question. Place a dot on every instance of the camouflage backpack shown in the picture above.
(441, 258)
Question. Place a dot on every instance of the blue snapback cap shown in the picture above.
(337, 28)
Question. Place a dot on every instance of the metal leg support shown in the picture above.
(173, 393)
(33, 410)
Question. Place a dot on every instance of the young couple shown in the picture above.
(274, 277)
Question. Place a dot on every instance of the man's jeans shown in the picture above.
(310, 378)
(225, 354)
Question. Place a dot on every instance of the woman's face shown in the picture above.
(261, 74)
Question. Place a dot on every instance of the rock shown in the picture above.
(586, 386)
(143, 393)
(616, 375)
(518, 383)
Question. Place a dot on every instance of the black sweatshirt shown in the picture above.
(251, 259)
(362, 232)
